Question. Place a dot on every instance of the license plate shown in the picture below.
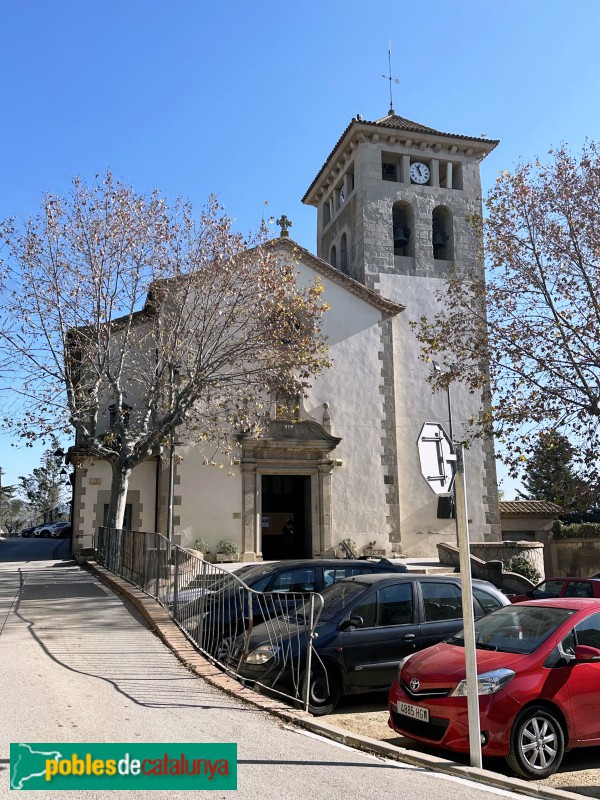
(415, 712)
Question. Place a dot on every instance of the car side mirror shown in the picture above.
(586, 654)
(353, 622)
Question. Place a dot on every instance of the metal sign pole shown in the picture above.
(462, 525)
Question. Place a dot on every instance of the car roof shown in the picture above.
(560, 578)
(329, 562)
(371, 578)
(575, 603)
(414, 576)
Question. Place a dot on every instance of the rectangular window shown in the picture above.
(127, 519)
(441, 601)
(395, 605)
(388, 171)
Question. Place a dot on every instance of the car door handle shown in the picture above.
(409, 636)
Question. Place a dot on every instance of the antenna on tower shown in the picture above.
(389, 77)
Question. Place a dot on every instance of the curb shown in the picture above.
(165, 628)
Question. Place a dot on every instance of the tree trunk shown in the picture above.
(118, 495)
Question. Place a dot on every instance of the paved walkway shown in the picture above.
(80, 664)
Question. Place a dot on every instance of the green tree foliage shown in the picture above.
(549, 475)
(13, 512)
(532, 327)
(44, 490)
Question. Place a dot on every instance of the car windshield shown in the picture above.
(516, 628)
(336, 597)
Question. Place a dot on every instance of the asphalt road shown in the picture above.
(367, 715)
(79, 665)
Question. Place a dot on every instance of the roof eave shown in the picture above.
(357, 128)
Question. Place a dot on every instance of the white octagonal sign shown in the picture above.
(437, 457)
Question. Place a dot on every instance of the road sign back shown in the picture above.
(437, 457)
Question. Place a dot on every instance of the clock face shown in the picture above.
(419, 172)
(342, 196)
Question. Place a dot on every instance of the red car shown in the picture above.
(560, 587)
(538, 666)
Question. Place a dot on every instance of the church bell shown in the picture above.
(401, 232)
(439, 238)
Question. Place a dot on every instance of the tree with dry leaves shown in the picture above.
(128, 320)
(531, 328)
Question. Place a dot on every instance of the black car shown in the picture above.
(215, 618)
(367, 626)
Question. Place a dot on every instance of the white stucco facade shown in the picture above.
(348, 467)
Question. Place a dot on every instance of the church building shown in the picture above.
(393, 202)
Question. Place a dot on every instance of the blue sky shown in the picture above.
(246, 100)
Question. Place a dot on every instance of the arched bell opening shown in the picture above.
(402, 227)
(344, 254)
(441, 233)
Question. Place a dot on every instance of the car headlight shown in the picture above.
(403, 662)
(262, 654)
(487, 682)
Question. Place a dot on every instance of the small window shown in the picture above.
(113, 414)
(295, 580)
(588, 631)
(547, 589)
(487, 601)
(578, 589)
(367, 611)
(127, 518)
(388, 171)
(441, 601)
(395, 605)
(333, 257)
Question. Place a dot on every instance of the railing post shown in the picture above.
(201, 605)
(144, 558)
(175, 582)
(309, 641)
(157, 561)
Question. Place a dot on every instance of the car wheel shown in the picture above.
(537, 744)
(323, 692)
(223, 649)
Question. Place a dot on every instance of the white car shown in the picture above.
(53, 530)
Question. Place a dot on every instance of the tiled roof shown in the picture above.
(403, 124)
(529, 508)
(395, 122)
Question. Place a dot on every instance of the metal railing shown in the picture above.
(220, 613)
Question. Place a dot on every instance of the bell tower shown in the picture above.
(395, 196)
(394, 203)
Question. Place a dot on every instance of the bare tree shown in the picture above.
(535, 320)
(130, 319)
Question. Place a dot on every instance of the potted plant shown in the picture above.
(348, 547)
(372, 550)
(200, 548)
(227, 550)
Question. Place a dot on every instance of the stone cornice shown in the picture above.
(392, 130)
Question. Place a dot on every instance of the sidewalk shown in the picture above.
(164, 627)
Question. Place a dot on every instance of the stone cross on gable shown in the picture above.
(284, 223)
